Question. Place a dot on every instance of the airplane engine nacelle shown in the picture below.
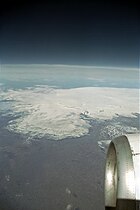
(122, 174)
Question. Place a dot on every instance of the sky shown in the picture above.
(69, 32)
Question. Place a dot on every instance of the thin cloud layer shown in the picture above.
(61, 113)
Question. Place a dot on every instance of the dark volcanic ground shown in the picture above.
(53, 175)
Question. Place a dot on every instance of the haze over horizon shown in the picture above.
(71, 65)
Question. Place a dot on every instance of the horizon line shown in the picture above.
(72, 65)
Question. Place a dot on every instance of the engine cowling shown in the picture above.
(122, 173)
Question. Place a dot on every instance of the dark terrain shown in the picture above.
(53, 175)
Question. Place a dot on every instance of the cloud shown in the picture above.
(109, 132)
(61, 113)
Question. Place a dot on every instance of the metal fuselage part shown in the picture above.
(122, 173)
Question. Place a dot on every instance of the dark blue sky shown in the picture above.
(69, 33)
